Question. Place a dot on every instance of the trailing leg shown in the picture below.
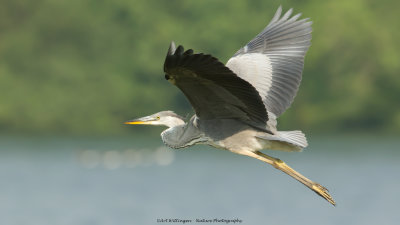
(280, 165)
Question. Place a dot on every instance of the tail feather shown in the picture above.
(296, 140)
(294, 137)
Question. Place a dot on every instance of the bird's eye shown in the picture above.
(158, 118)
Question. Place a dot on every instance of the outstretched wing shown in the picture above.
(214, 91)
(273, 61)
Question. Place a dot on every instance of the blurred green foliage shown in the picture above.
(85, 66)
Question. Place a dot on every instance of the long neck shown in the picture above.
(183, 135)
(173, 122)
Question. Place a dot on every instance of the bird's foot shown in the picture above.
(323, 192)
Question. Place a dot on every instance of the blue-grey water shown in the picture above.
(137, 181)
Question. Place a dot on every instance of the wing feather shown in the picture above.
(279, 50)
(213, 89)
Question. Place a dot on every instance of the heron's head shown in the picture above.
(164, 118)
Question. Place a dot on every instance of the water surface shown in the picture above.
(136, 181)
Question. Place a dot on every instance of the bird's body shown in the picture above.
(216, 133)
(237, 104)
(222, 134)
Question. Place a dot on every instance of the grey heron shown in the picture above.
(236, 105)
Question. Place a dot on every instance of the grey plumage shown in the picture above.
(236, 105)
(284, 42)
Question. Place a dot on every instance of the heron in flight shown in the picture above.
(236, 105)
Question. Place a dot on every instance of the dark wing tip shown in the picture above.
(173, 50)
(188, 52)
(179, 50)
(174, 53)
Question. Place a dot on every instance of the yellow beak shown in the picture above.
(137, 122)
(141, 121)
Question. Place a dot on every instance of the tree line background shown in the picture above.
(83, 67)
